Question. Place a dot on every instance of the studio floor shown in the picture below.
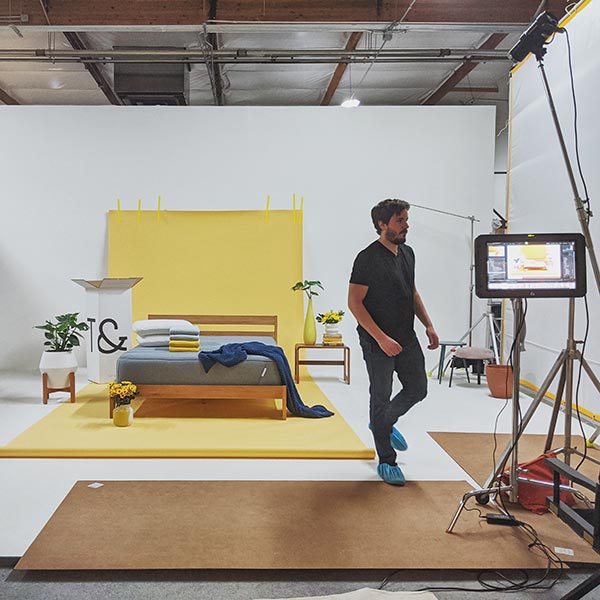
(32, 489)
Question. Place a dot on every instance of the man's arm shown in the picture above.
(356, 296)
(421, 312)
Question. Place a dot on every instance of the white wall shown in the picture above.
(541, 198)
(63, 168)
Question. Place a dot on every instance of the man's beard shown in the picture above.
(391, 237)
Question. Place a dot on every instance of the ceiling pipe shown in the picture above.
(256, 56)
(282, 27)
(247, 61)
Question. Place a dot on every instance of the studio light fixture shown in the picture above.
(535, 36)
(351, 102)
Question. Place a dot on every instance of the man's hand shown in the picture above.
(389, 346)
(434, 340)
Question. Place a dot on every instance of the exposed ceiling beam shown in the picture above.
(181, 12)
(340, 69)
(459, 74)
(214, 69)
(6, 99)
(93, 69)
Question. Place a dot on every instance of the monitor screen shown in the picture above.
(530, 265)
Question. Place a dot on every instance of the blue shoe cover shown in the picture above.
(396, 439)
(391, 474)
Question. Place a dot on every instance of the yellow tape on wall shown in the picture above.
(211, 262)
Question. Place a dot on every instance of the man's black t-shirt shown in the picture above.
(390, 299)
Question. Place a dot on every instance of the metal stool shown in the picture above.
(443, 346)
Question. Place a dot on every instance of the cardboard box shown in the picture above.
(109, 315)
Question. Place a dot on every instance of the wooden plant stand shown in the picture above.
(48, 390)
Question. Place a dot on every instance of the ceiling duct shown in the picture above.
(149, 84)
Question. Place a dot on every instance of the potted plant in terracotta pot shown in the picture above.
(58, 360)
(500, 380)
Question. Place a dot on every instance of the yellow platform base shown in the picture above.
(187, 429)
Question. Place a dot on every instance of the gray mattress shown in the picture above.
(158, 366)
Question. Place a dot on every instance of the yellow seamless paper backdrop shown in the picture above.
(213, 262)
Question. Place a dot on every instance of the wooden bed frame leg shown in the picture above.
(284, 403)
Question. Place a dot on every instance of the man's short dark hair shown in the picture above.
(386, 209)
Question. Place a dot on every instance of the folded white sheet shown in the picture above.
(156, 340)
(147, 327)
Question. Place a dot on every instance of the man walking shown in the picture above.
(384, 300)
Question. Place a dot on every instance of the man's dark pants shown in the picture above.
(409, 366)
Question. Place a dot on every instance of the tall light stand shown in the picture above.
(494, 486)
(533, 41)
(473, 220)
(570, 353)
(579, 207)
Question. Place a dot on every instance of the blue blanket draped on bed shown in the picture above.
(232, 354)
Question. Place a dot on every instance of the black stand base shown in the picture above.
(585, 587)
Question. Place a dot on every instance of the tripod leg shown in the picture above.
(584, 588)
(482, 492)
(596, 383)
(558, 363)
(555, 409)
(493, 335)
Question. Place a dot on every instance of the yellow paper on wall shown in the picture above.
(211, 263)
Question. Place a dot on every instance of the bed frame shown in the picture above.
(259, 325)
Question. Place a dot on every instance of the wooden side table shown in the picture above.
(345, 363)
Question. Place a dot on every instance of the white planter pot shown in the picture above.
(332, 329)
(58, 365)
(332, 335)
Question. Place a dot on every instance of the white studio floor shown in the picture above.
(33, 488)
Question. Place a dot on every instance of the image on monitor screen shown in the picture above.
(530, 265)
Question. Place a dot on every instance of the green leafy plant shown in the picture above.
(330, 317)
(64, 334)
(307, 287)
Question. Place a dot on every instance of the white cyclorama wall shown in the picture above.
(64, 168)
(541, 197)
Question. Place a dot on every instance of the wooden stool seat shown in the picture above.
(468, 356)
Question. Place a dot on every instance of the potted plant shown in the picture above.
(331, 320)
(499, 380)
(58, 360)
(121, 394)
(310, 330)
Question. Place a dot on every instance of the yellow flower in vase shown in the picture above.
(121, 394)
(331, 320)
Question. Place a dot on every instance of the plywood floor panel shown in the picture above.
(279, 525)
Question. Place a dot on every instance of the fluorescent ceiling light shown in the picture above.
(351, 103)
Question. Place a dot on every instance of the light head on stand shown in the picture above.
(534, 37)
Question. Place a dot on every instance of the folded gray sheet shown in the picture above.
(158, 366)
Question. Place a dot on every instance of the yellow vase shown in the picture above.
(123, 415)
(310, 328)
